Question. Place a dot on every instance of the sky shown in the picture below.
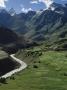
(26, 5)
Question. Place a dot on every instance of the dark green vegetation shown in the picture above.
(3, 80)
(47, 70)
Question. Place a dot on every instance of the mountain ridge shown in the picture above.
(47, 25)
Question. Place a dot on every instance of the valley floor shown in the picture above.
(46, 71)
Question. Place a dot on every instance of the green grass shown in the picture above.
(51, 73)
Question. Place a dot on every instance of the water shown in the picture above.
(7, 65)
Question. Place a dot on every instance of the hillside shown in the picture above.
(7, 36)
(38, 38)
(10, 41)
(45, 26)
(49, 27)
(47, 70)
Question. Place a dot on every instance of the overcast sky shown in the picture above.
(25, 5)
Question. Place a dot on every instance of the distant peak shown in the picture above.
(54, 5)
(12, 12)
(3, 11)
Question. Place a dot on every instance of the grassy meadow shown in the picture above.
(47, 70)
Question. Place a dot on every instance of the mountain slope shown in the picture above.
(48, 25)
(10, 41)
(7, 36)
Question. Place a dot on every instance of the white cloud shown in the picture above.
(25, 10)
(47, 2)
(2, 3)
(34, 2)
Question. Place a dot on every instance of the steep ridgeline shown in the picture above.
(15, 21)
(45, 25)
(48, 23)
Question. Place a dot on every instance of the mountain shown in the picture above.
(48, 21)
(12, 12)
(10, 41)
(48, 26)
(7, 36)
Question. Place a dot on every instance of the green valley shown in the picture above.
(47, 70)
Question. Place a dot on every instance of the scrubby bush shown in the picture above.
(12, 77)
(65, 74)
(34, 61)
(65, 55)
(35, 66)
(3, 80)
(39, 61)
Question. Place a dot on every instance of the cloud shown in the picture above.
(25, 10)
(34, 2)
(2, 3)
(47, 2)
